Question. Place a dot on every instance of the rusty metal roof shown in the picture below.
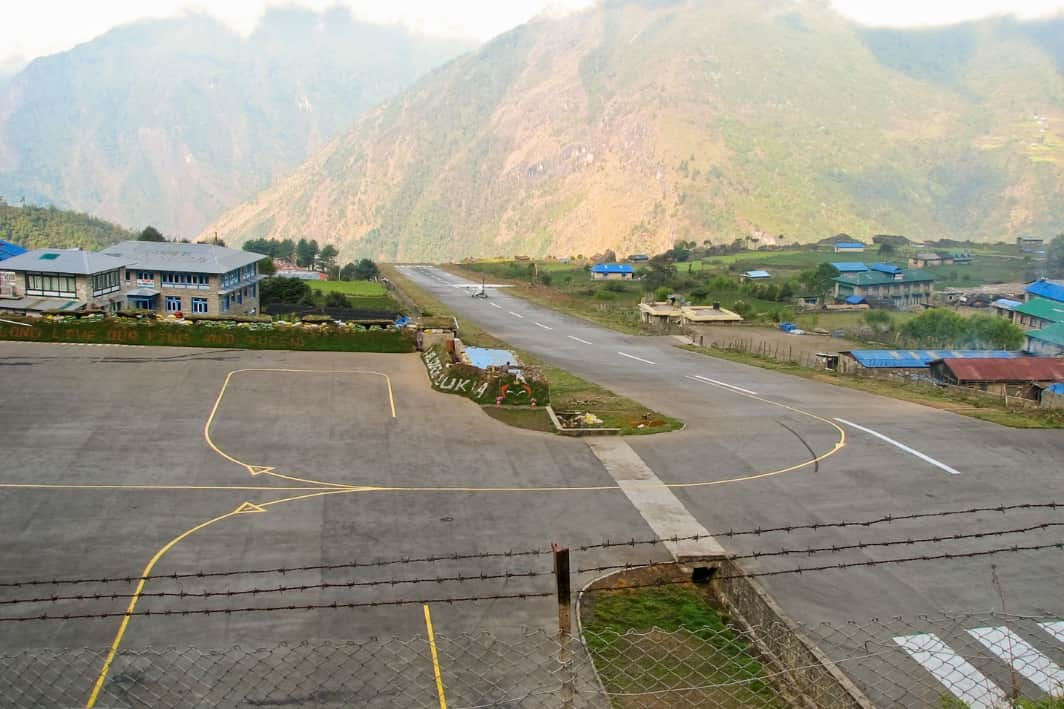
(1024, 369)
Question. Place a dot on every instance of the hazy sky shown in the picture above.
(31, 28)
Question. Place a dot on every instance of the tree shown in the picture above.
(347, 273)
(285, 290)
(820, 281)
(1055, 257)
(337, 300)
(366, 270)
(305, 253)
(660, 273)
(327, 256)
(150, 233)
(266, 267)
(886, 249)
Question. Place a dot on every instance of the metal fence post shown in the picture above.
(565, 621)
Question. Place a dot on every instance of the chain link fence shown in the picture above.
(981, 661)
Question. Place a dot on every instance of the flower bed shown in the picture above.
(208, 333)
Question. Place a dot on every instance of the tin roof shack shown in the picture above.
(913, 362)
(612, 271)
(1023, 377)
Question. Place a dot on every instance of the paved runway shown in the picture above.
(897, 458)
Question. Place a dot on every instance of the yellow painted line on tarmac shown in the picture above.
(269, 470)
(136, 597)
(156, 488)
(435, 658)
(243, 508)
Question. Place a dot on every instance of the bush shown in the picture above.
(662, 293)
(742, 308)
(337, 300)
(546, 279)
(616, 287)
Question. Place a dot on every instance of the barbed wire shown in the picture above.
(790, 528)
(828, 567)
(837, 548)
(280, 570)
(525, 553)
(271, 609)
(325, 585)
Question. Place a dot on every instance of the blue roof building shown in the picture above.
(844, 246)
(616, 271)
(885, 268)
(849, 266)
(755, 275)
(9, 250)
(920, 359)
(1053, 290)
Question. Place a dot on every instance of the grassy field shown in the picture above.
(361, 289)
(977, 406)
(668, 639)
(567, 391)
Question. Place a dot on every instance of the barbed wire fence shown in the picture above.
(984, 660)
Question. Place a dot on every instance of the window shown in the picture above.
(199, 305)
(231, 278)
(173, 303)
(145, 276)
(105, 283)
(184, 280)
(50, 284)
(225, 304)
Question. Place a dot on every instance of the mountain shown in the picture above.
(171, 122)
(43, 227)
(634, 124)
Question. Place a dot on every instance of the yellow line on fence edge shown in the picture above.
(435, 658)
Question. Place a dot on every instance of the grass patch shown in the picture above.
(974, 405)
(567, 391)
(533, 419)
(361, 289)
(671, 638)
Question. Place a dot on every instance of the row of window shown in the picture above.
(103, 283)
(173, 304)
(180, 280)
(50, 284)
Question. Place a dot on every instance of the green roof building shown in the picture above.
(1047, 342)
(886, 285)
(1038, 313)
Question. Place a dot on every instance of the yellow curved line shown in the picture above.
(241, 509)
(265, 470)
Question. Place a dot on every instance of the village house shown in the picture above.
(1021, 377)
(849, 247)
(612, 271)
(1047, 342)
(1038, 313)
(1043, 288)
(930, 258)
(885, 285)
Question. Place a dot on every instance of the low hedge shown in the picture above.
(253, 337)
(481, 386)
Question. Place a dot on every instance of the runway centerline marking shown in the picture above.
(545, 327)
(707, 380)
(517, 315)
(578, 339)
(899, 444)
(639, 359)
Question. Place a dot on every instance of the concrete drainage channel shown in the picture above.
(756, 633)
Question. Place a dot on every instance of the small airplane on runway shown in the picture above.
(480, 291)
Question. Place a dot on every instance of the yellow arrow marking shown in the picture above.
(249, 507)
(260, 469)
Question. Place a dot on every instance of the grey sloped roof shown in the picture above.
(173, 256)
(72, 261)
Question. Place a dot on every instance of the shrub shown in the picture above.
(662, 293)
(742, 308)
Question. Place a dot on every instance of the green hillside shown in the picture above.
(634, 124)
(44, 227)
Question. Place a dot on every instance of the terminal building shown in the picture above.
(166, 277)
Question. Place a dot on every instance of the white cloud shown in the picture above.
(932, 12)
